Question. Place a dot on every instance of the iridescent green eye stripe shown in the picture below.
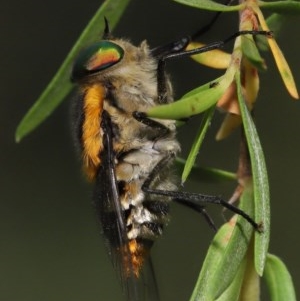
(97, 57)
(107, 54)
(53, 96)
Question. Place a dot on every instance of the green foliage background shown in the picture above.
(51, 248)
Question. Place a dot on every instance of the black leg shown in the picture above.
(162, 89)
(171, 47)
(193, 200)
(200, 209)
(179, 45)
(218, 44)
(142, 118)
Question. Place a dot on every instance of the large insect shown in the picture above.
(127, 155)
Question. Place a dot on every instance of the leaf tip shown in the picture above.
(18, 136)
(294, 94)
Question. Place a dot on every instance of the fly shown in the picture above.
(128, 155)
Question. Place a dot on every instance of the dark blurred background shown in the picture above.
(50, 244)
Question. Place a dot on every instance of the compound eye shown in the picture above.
(96, 58)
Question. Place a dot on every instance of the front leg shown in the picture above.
(144, 119)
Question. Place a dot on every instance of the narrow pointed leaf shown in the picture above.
(260, 182)
(276, 22)
(210, 5)
(217, 59)
(284, 69)
(280, 60)
(60, 86)
(229, 124)
(202, 88)
(249, 46)
(197, 143)
(284, 7)
(226, 253)
(250, 290)
(202, 290)
(279, 280)
(232, 293)
(207, 174)
(251, 52)
(196, 101)
(189, 106)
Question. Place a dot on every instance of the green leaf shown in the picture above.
(251, 52)
(197, 143)
(188, 106)
(202, 88)
(196, 101)
(225, 253)
(276, 22)
(279, 280)
(250, 289)
(60, 86)
(260, 182)
(232, 293)
(284, 7)
(207, 174)
(211, 5)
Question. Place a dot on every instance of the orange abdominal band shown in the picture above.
(138, 253)
(91, 129)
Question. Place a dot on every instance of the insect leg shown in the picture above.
(218, 44)
(193, 200)
(162, 89)
(142, 118)
(181, 43)
(171, 47)
(200, 209)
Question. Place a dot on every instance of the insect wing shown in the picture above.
(111, 215)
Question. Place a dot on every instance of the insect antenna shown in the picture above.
(106, 33)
